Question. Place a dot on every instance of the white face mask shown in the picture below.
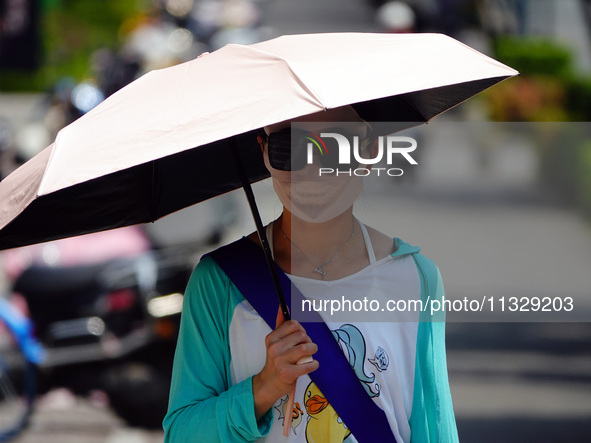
(312, 198)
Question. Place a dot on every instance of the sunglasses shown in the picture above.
(290, 149)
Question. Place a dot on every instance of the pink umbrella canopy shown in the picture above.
(162, 143)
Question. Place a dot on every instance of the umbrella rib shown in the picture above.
(299, 79)
(414, 108)
(502, 79)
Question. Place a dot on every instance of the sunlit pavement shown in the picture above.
(60, 417)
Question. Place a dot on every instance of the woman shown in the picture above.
(232, 373)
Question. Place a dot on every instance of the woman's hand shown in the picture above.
(289, 356)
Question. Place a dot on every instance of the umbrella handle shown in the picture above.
(288, 415)
(259, 226)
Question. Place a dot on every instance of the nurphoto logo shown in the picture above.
(353, 155)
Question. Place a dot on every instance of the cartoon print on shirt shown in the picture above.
(349, 337)
(324, 424)
(297, 413)
(381, 361)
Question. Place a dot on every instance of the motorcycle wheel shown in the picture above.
(138, 393)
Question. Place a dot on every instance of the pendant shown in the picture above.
(320, 271)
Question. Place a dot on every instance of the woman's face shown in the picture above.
(308, 194)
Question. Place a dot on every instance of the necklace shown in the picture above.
(320, 268)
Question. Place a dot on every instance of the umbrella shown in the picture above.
(163, 142)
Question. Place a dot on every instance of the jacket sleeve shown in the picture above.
(203, 404)
(432, 418)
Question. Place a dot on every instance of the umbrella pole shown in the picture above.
(259, 226)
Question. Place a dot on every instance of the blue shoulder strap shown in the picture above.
(244, 264)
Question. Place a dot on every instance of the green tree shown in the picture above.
(71, 31)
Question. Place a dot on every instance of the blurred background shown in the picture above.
(503, 208)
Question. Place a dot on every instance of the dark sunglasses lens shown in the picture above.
(288, 151)
(279, 150)
(281, 154)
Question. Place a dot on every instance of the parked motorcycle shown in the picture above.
(107, 324)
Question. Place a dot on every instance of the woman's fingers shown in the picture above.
(289, 356)
(286, 329)
(289, 373)
(284, 352)
(289, 341)
(287, 345)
